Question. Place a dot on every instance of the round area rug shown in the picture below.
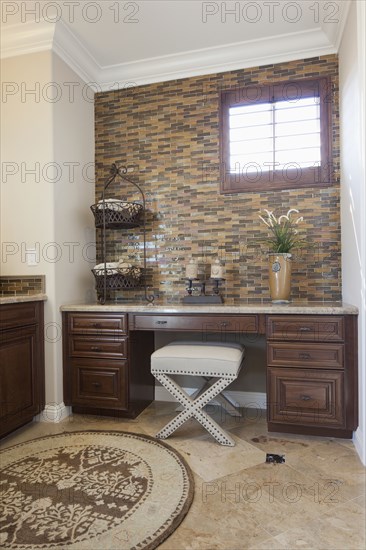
(92, 490)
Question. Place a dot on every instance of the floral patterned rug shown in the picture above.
(92, 490)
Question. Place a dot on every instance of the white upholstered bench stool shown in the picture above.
(208, 360)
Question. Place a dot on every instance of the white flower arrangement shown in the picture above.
(284, 232)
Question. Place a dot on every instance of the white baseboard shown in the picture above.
(360, 445)
(250, 400)
(53, 412)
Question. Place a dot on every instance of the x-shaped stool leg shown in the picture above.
(193, 408)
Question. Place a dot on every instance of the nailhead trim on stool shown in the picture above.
(193, 407)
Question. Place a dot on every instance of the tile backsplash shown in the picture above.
(12, 285)
(167, 134)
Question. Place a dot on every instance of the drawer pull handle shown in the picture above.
(305, 398)
(225, 324)
(96, 325)
(161, 322)
(95, 348)
(96, 384)
(305, 329)
(304, 356)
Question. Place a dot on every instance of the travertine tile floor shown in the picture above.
(316, 500)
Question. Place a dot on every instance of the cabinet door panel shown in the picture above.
(19, 396)
(100, 383)
(306, 397)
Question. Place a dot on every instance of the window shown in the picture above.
(276, 137)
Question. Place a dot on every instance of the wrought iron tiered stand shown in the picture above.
(117, 214)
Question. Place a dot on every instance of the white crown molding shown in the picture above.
(333, 22)
(25, 38)
(230, 57)
(345, 9)
(37, 36)
(75, 54)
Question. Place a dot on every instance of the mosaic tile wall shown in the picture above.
(22, 285)
(168, 136)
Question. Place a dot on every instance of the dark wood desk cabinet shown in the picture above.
(21, 364)
(312, 374)
(106, 368)
(311, 364)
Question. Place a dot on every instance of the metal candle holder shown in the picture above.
(203, 298)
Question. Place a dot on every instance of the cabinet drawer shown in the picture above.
(84, 323)
(305, 328)
(198, 323)
(305, 397)
(100, 384)
(306, 354)
(22, 314)
(89, 346)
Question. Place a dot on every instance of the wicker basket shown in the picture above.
(117, 279)
(118, 214)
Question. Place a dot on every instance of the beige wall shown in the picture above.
(352, 60)
(26, 139)
(27, 199)
(73, 139)
(52, 128)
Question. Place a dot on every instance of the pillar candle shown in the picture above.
(217, 270)
(191, 270)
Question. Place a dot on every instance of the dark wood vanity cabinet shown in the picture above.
(312, 374)
(21, 364)
(106, 368)
(311, 363)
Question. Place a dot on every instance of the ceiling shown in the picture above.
(143, 41)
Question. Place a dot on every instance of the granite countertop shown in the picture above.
(325, 308)
(19, 298)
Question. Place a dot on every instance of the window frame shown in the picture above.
(321, 176)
